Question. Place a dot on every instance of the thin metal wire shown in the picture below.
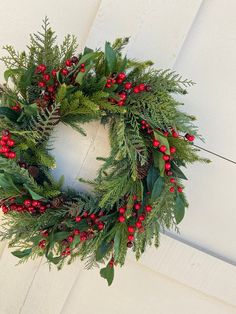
(217, 155)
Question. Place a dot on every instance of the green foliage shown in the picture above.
(133, 174)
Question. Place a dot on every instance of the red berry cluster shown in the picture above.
(7, 143)
(128, 88)
(48, 79)
(28, 205)
(17, 107)
(145, 126)
(174, 187)
(140, 218)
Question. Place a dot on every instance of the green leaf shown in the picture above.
(12, 72)
(117, 240)
(7, 183)
(108, 274)
(21, 254)
(159, 162)
(153, 174)
(179, 209)
(86, 57)
(177, 172)
(9, 113)
(54, 259)
(110, 56)
(157, 188)
(59, 236)
(102, 250)
(163, 140)
(26, 78)
(61, 93)
(34, 195)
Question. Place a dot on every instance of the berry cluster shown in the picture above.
(28, 205)
(175, 186)
(48, 81)
(139, 219)
(7, 143)
(127, 88)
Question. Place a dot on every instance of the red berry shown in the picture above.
(180, 189)
(82, 65)
(70, 239)
(27, 203)
(135, 197)
(100, 226)
(119, 81)
(148, 208)
(172, 180)
(128, 85)
(121, 76)
(31, 209)
(35, 203)
(44, 233)
(64, 72)
(162, 148)
(121, 103)
(78, 219)
(51, 89)
(172, 149)
(141, 218)
(42, 209)
(166, 133)
(136, 90)
(5, 209)
(130, 237)
(131, 229)
(54, 72)
(122, 95)
(93, 216)
(11, 155)
(137, 206)
(42, 244)
(46, 77)
(85, 214)
(76, 232)
(68, 63)
(3, 143)
(155, 143)
(138, 224)
(122, 210)
(41, 68)
(167, 166)
(175, 134)
(165, 157)
(82, 70)
(108, 85)
(141, 87)
(121, 219)
(172, 189)
(41, 84)
(10, 143)
(190, 137)
(5, 149)
(83, 237)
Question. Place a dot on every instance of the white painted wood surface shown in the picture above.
(198, 39)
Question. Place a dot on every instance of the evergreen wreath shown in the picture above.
(138, 190)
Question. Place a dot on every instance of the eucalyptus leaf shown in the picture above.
(110, 56)
(179, 209)
(157, 188)
(108, 274)
(34, 195)
(21, 254)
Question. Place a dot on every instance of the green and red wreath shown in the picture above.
(139, 188)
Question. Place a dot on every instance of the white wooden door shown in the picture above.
(193, 272)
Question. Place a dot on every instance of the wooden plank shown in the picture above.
(169, 21)
(193, 268)
(137, 289)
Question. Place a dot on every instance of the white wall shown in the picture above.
(198, 39)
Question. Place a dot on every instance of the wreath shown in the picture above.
(138, 191)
